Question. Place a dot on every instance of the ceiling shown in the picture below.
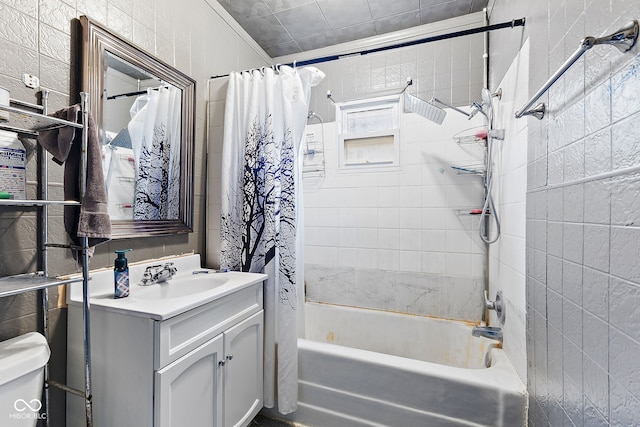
(283, 27)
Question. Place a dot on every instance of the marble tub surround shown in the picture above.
(449, 297)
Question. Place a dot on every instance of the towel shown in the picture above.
(91, 219)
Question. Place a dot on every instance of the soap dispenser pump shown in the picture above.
(121, 275)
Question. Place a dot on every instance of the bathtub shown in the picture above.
(360, 367)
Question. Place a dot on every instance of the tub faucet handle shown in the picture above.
(496, 305)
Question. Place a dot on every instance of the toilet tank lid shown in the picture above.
(22, 355)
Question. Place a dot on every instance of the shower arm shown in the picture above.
(623, 39)
(444, 104)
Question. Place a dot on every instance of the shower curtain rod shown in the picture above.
(128, 94)
(509, 24)
(623, 39)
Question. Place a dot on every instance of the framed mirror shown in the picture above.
(144, 111)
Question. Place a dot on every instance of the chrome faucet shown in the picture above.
(491, 332)
(158, 273)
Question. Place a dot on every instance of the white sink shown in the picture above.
(160, 301)
(179, 286)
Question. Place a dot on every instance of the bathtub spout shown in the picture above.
(491, 332)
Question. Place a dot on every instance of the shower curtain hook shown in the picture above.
(409, 83)
(329, 97)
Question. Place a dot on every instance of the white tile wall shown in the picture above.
(507, 268)
(581, 362)
(389, 224)
(35, 38)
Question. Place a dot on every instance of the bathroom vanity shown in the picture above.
(187, 352)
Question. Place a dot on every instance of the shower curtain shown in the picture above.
(155, 138)
(265, 116)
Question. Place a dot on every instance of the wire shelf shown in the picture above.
(472, 136)
(13, 285)
(470, 169)
(24, 121)
(470, 211)
(17, 202)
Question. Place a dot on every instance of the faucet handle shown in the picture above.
(491, 305)
(149, 274)
(497, 305)
(170, 268)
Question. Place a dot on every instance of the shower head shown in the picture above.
(423, 108)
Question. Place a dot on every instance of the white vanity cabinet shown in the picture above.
(242, 390)
(201, 367)
(226, 370)
(188, 391)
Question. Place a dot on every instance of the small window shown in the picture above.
(369, 134)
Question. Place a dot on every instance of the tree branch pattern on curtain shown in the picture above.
(265, 115)
(268, 219)
(155, 138)
(152, 182)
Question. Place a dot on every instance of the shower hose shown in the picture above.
(489, 209)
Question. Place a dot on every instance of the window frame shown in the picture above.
(343, 109)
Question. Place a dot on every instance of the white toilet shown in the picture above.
(22, 361)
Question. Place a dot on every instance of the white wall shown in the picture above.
(507, 256)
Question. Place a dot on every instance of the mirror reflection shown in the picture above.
(141, 149)
(144, 111)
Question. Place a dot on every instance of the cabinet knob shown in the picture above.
(229, 356)
(221, 363)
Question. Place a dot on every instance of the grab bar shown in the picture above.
(624, 39)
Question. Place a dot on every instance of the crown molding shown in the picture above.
(233, 24)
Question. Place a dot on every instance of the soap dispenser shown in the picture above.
(121, 275)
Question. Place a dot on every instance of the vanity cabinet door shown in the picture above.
(243, 346)
(188, 391)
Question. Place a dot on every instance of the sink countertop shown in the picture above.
(151, 301)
